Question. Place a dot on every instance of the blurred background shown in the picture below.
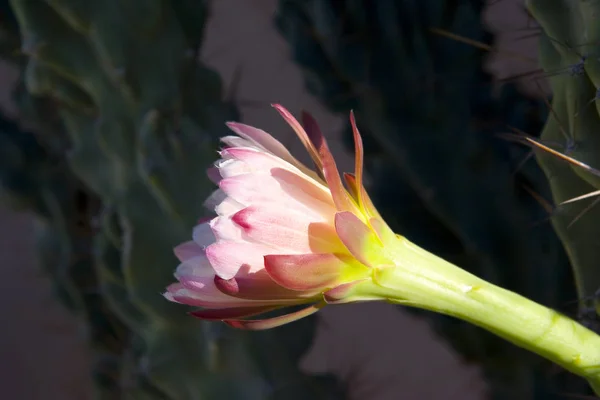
(110, 113)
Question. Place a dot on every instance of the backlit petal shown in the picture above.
(293, 122)
(258, 286)
(282, 188)
(339, 195)
(264, 140)
(222, 204)
(368, 206)
(288, 231)
(236, 141)
(358, 160)
(305, 271)
(230, 258)
(362, 242)
(188, 250)
(225, 229)
(203, 235)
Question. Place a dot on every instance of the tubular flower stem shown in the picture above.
(285, 235)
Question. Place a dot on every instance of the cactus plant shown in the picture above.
(430, 117)
(568, 52)
(142, 116)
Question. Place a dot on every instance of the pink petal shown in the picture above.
(180, 293)
(258, 160)
(362, 242)
(225, 229)
(236, 141)
(187, 250)
(310, 192)
(338, 193)
(222, 204)
(233, 312)
(197, 288)
(231, 167)
(243, 160)
(358, 160)
(257, 286)
(231, 258)
(304, 271)
(263, 139)
(203, 235)
(288, 231)
(282, 188)
(368, 206)
(214, 175)
(261, 324)
(293, 122)
(352, 186)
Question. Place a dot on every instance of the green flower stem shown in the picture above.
(421, 279)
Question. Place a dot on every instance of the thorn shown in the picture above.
(562, 156)
(585, 210)
(522, 162)
(546, 205)
(481, 45)
(585, 196)
(555, 115)
(596, 97)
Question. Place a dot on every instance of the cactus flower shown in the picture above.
(284, 235)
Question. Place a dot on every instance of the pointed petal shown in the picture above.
(340, 196)
(266, 141)
(358, 160)
(229, 167)
(368, 206)
(256, 160)
(188, 250)
(293, 122)
(196, 287)
(280, 187)
(288, 231)
(203, 235)
(236, 141)
(362, 242)
(221, 203)
(229, 259)
(259, 286)
(212, 299)
(261, 324)
(225, 229)
(208, 296)
(233, 312)
(352, 186)
(214, 175)
(239, 160)
(305, 271)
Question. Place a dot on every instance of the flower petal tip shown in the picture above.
(269, 323)
(227, 286)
